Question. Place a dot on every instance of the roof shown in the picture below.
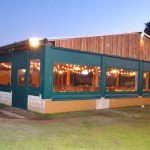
(25, 44)
(21, 46)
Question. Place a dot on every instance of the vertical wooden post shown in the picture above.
(136, 81)
(117, 81)
(147, 82)
(96, 78)
(68, 78)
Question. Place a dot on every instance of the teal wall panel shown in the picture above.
(146, 66)
(53, 55)
(122, 63)
(140, 79)
(103, 76)
(65, 56)
(6, 57)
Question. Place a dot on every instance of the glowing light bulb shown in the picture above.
(34, 42)
(85, 72)
(60, 72)
(114, 71)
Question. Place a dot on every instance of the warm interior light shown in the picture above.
(23, 70)
(142, 35)
(60, 72)
(85, 72)
(76, 68)
(34, 42)
(114, 71)
(142, 39)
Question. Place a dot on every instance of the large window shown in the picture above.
(35, 72)
(76, 78)
(121, 80)
(5, 73)
(146, 81)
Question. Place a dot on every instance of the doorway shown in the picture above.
(20, 79)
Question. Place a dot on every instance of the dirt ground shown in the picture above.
(129, 112)
(14, 112)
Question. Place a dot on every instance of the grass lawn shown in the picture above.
(89, 130)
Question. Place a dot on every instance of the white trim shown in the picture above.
(6, 98)
(146, 35)
(36, 103)
(102, 103)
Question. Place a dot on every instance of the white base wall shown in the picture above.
(102, 103)
(35, 103)
(6, 98)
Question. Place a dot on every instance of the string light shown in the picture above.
(6, 65)
(75, 69)
(34, 65)
(117, 72)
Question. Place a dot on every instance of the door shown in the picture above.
(20, 80)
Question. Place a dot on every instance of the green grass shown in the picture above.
(66, 115)
(95, 130)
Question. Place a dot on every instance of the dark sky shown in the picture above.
(22, 19)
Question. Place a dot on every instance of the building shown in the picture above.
(74, 74)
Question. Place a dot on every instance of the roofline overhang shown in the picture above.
(23, 45)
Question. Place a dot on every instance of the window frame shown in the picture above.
(30, 86)
(122, 92)
(70, 76)
(126, 64)
(10, 85)
(146, 68)
(143, 81)
(75, 95)
(18, 76)
(35, 91)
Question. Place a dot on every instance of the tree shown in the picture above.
(147, 28)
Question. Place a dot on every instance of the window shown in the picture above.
(121, 80)
(76, 78)
(146, 81)
(5, 73)
(34, 73)
(21, 77)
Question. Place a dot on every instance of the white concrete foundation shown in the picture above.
(6, 98)
(102, 103)
(35, 103)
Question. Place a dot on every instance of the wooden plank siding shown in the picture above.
(124, 45)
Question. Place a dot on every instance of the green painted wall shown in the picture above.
(52, 55)
(64, 56)
(55, 55)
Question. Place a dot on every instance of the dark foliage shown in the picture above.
(147, 28)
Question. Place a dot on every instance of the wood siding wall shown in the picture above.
(124, 45)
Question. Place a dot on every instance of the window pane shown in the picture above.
(121, 80)
(5, 73)
(76, 78)
(21, 77)
(146, 81)
(35, 72)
